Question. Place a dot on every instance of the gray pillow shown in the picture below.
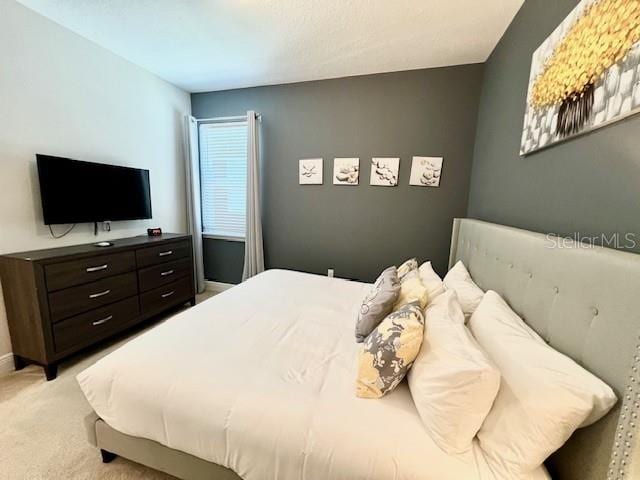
(378, 303)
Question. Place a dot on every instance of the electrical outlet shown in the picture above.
(330, 273)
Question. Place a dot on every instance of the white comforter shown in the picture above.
(260, 379)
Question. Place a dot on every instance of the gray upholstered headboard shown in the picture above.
(585, 302)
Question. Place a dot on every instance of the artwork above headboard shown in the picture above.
(585, 302)
(585, 74)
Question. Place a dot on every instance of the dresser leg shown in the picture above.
(51, 371)
(19, 362)
(192, 301)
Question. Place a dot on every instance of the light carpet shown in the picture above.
(42, 435)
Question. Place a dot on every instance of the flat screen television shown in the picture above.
(73, 191)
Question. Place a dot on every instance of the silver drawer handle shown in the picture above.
(168, 294)
(100, 322)
(100, 294)
(164, 254)
(168, 272)
(97, 269)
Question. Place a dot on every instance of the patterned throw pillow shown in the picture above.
(389, 351)
(412, 290)
(378, 303)
(406, 267)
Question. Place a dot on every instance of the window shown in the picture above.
(223, 179)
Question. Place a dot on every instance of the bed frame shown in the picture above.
(584, 301)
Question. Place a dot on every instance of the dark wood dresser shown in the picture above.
(61, 300)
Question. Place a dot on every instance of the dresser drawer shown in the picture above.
(76, 272)
(153, 277)
(171, 294)
(163, 253)
(72, 301)
(91, 326)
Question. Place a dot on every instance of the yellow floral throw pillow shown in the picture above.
(389, 351)
(406, 267)
(412, 290)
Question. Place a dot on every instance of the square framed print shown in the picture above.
(346, 171)
(384, 171)
(426, 171)
(310, 171)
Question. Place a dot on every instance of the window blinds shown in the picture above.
(223, 179)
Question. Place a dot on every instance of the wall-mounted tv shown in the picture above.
(73, 191)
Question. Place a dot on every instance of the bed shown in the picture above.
(261, 384)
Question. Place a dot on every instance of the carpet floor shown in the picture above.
(42, 434)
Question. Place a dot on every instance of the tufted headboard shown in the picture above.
(585, 302)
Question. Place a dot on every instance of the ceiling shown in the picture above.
(204, 45)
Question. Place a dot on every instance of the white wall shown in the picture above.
(63, 95)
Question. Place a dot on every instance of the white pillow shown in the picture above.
(469, 294)
(544, 395)
(453, 383)
(431, 280)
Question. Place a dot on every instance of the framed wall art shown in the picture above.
(585, 75)
(426, 171)
(310, 171)
(346, 171)
(384, 171)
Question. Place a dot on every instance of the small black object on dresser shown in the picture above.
(62, 300)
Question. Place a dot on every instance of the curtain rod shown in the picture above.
(227, 119)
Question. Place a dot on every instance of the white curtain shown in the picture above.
(253, 251)
(194, 208)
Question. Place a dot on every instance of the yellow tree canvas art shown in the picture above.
(586, 74)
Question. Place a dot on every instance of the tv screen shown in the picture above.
(73, 191)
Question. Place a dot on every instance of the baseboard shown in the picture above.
(6, 364)
(217, 287)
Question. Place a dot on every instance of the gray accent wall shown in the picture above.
(358, 230)
(588, 185)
